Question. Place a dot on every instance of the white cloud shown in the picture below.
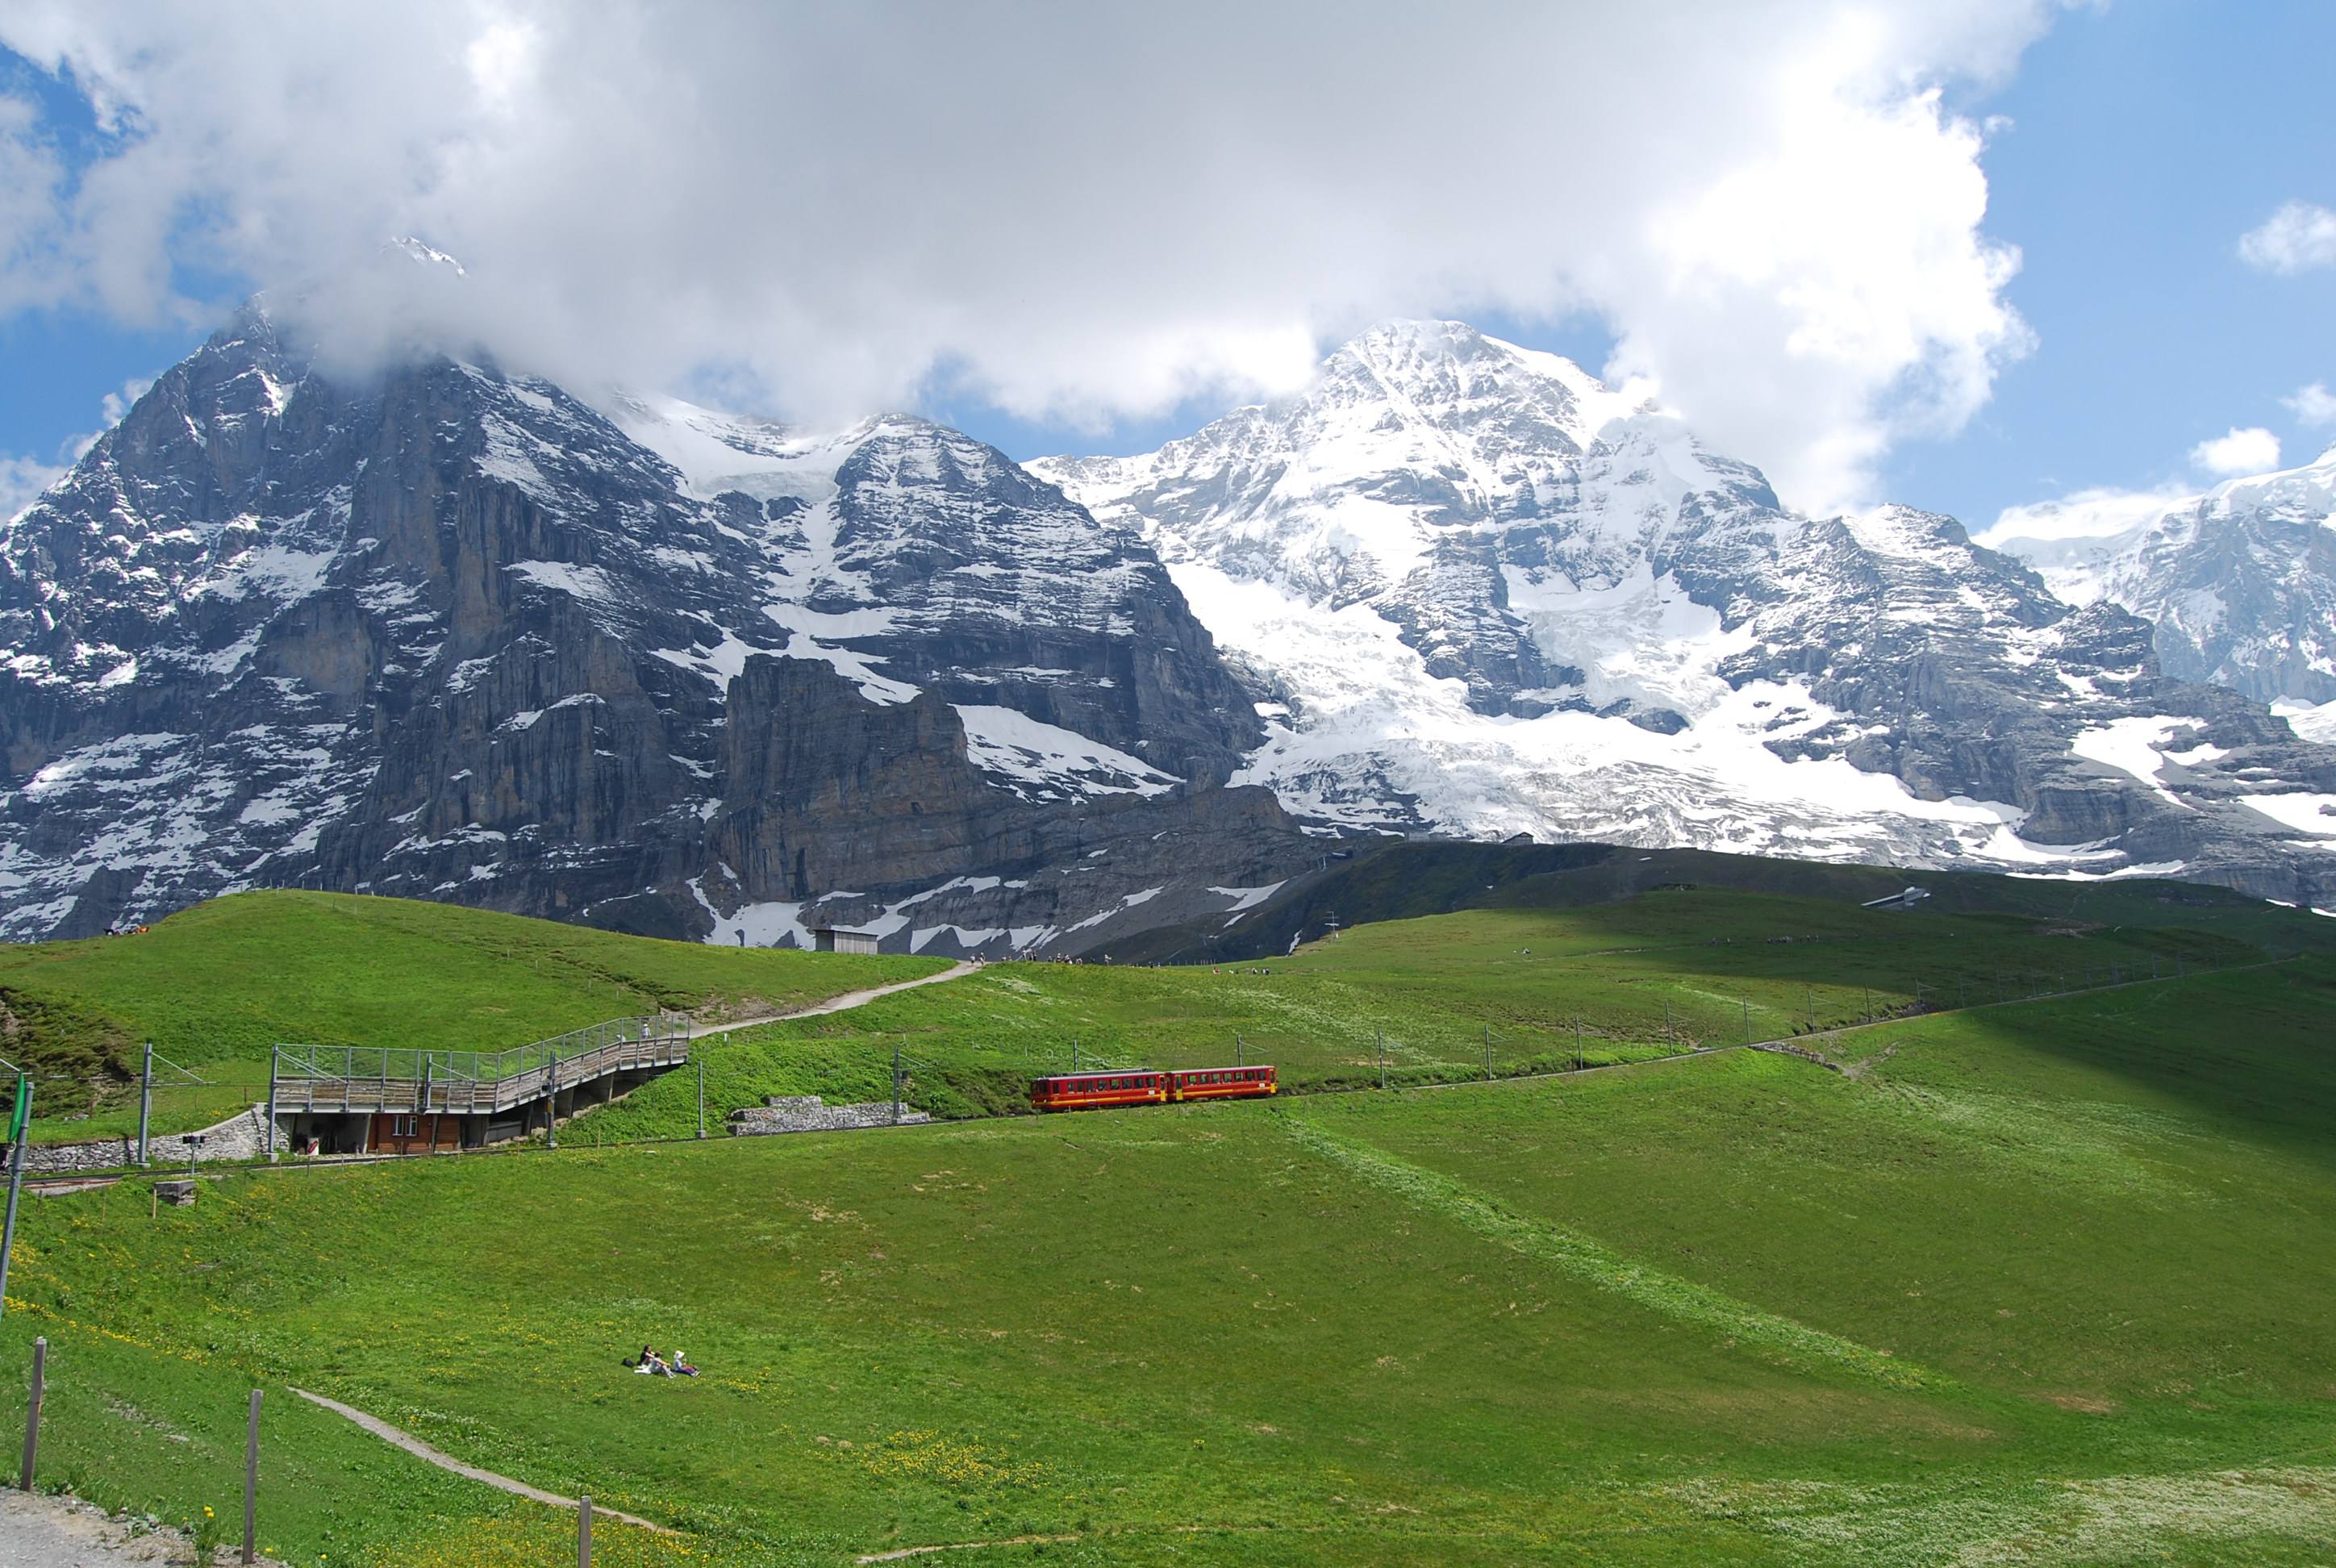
(23, 477)
(2253, 450)
(2298, 237)
(2313, 405)
(2099, 513)
(1084, 213)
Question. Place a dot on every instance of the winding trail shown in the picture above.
(399, 1437)
(842, 1004)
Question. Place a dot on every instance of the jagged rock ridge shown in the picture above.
(1484, 594)
(454, 633)
(2239, 583)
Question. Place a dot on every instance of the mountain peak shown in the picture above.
(421, 253)
(1441, 373)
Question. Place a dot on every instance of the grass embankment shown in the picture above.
(215, 988)
(1498, 992)
(2041, 1283)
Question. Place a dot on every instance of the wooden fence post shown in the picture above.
(251, 1481)
(32, 1411)
(584, 1531)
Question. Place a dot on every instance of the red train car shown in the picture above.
(1083, 1091)
(1093, 1091)
(1222, 1083)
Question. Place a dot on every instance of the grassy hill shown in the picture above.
(2037, 1283)
(1405, 880)
(1514, 988)
(217, 986)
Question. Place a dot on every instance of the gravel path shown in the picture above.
(445, 1461)
(43, 1532)
(843, 1003)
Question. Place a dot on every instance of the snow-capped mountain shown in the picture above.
(1482, 593)
(2240, 581)
(456, 633)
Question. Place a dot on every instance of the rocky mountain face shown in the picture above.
(453, 633)
(2239, 583)
(1482, 594)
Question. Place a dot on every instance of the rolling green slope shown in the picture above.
(216, 987)
(1505, 991)
(2041, 1283)
(1405, 880)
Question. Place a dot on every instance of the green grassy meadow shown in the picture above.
(2043, 1282)
(1518, 989)
(216, 987)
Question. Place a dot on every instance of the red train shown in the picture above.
(1088, 1091)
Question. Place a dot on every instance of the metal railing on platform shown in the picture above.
(456, 1083)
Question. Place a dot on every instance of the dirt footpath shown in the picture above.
(40, 1532)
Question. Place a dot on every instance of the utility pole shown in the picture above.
(1747, 1021)
(1381, 1035)
(275, 1054)
(145, 1104)
(1577, 1042)
(1488, 1051)
(19, 1125)
(1240, 1055)
(1671, 1036)
(552, 1102)
(701, 1096)
(896, 1078)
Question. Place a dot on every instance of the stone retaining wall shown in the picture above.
(242, 1136)
(810, 1113)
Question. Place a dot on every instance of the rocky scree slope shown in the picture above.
(1482, 593)
(455, 634)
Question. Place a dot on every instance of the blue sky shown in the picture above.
(2138, 143)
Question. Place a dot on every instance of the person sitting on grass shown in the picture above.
(681, 1367)
(651, 1365)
